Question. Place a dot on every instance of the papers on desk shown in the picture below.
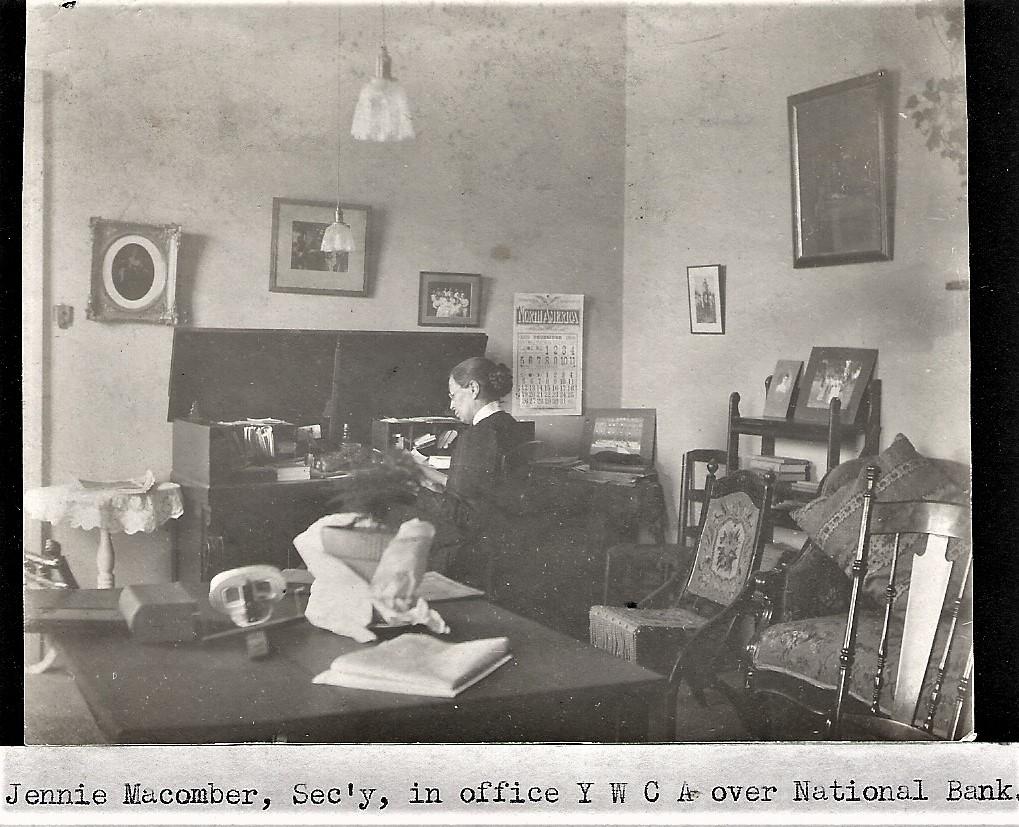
(584, 471)
(138, 485)
(418, 664)
(423, 419)
(249, 421)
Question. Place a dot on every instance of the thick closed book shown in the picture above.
(418, 664)
(761, 460)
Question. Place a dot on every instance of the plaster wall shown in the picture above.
(707, 172)
(201, 114)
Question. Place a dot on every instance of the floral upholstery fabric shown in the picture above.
(808, 650)
(833, 519)
(725, 550)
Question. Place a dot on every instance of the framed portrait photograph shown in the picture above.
(842, 372)
(297, 263)
(841, 190)
(134, 272)
(782, 389)
(449, 299)
(707, 309)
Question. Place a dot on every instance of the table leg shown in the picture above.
(104, 561)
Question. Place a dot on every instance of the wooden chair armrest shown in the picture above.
(701, 657)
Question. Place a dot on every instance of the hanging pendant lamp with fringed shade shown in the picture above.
(382, 112)
(338, 237)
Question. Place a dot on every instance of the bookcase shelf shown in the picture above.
(832, 432)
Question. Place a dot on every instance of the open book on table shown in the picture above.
(418, 664)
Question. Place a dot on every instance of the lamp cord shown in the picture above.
(382, 6)
(339, 99)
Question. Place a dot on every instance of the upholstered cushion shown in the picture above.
(809, 650)
(649, 637)
(833, 519)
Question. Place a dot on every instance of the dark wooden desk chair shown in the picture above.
(900, 673)
(634, 570)
(729, 548)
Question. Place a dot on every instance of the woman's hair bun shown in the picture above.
(494, 380)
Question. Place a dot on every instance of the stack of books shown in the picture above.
(804, 487)
(785, 469)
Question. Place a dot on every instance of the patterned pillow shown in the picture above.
(833, 519)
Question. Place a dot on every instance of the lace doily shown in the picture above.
(113, 508)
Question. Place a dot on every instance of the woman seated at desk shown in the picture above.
(467, 496)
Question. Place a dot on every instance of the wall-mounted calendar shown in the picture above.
(548, 354)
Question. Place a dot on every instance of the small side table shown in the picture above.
(110, 508)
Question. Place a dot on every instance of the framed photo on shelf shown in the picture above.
(841, 189)
(834, 371)
(619, 439)
(449, 299)
(705, 285)
(134, 272)
(782, 388)
(297, 263)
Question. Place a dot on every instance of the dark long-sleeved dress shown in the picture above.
(476, 468)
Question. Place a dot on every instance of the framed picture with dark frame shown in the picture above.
(834, 371)
(134, 272)
(297, 263)
(619, 439)
(449, 299)
(841, 183)
(705, 285)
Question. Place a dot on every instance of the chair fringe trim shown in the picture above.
(614, 640)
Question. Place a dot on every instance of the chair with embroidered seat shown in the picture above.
(733, 527)
(898, 672)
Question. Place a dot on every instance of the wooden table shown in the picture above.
(555, 689)
(114, 507)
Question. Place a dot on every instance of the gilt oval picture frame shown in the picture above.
(134, 272)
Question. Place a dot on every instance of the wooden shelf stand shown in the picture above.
(832, 432)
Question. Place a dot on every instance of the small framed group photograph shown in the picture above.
(842, 372)
(134, 272)
(707, 310)
(449, 299)
(297, 263)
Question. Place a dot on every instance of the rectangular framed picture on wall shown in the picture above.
(449, 299)
(707, 301)
(297, 263)
(841, 183)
